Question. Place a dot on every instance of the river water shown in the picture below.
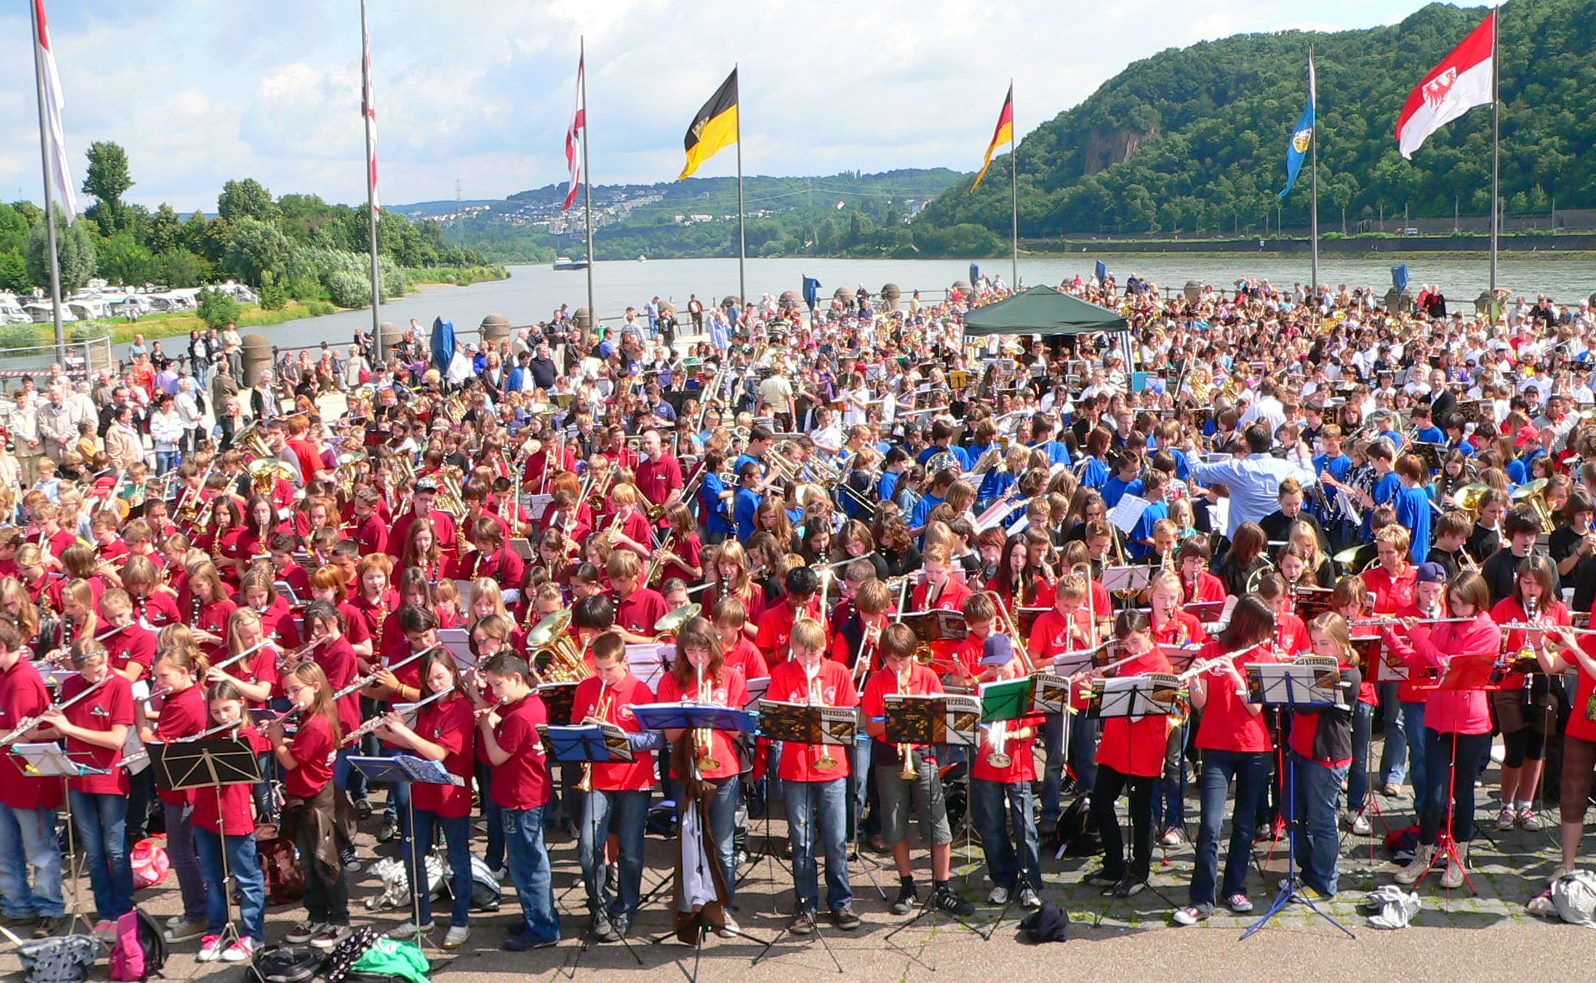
(533, 292)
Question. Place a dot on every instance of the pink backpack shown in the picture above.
(139, 949)
(149, 862)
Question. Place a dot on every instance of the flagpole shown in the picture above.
(587, 188)
(371, 186)
(49, 195)
(742, 240)
(1313, 147)
(1014, 197)
(1496, 144)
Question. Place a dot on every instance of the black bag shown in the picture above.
(284, 964)
(1074, 833)
(1049, 923)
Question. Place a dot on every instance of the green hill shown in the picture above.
(1193, 140)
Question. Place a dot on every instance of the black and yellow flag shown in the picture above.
(713, 128)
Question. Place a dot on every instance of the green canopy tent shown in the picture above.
(1042, 310)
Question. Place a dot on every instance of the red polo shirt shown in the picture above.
(522, 782)
(617, 776)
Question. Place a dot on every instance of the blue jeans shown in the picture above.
(457, 834)
(1169, 802)
(347, 777)
(492, 815)
(811, 805)
(858, 792)
(1082, 735)
(622, 813)
(1358, 773)
(1413, 723)
(398, 806)
(101, 820)
(1318, 793)
(529, 871)
(1002, 815)
(1250, 769)
(185, 861)
(723, 828)
(28, 840)
(1394, 759)
(166, 461)
(243, 865)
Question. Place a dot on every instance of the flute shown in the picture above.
(1537, 626)
(102, 636)
(28, 723)
(378, 721)
(242, 655)
(207, 733)
(371, 677)
(1397, 622)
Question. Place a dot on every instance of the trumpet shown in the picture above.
(908, 772)
(703, 737)
(600, 709)
(825, 762)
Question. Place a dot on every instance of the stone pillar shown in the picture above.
(257, 359)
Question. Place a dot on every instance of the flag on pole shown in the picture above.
(1464, 79)
(1302, 133)
(714, 128)
(811, 292)
(573, 137)
(55, 131)
(1003, 134)
(368, 109)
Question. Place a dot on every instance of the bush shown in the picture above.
(305, 287)
(348, 289)
(217, 308)
(273, 294)
(19, 335)
(89, 330)
(319, 308)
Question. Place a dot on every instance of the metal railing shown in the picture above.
(83, 358)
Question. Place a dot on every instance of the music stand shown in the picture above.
(589, 744)
(411, 770)
(1287, 686)
(1463, 673)
(46, 759)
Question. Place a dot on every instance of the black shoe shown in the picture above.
(19, 921)
(387, 831)
(945, 900)
(802, 922)
(844, 918)
(49, 926)
(906, 900)
(622, 925)
(1103, 878)
(362, 809)
(1129, 887)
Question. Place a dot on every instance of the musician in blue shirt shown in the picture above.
(713, 499)
(1424, 429)
(747, 500)
(942, 443)
(1412, 504)
(1124, 481)
(1042, 431)
(891, 470)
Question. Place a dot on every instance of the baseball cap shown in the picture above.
(1430, 573)
(998, 650)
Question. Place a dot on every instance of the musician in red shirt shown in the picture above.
(224, 821)
(1000, 792)
(1198, 586)
(423, 500)
(637, 608)
(130, 645)
(659, 473)
(616, 802)
(800, 601)
(939, 592)
(29, 803)
(1391, 582)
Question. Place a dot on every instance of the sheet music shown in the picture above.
(1128, 512)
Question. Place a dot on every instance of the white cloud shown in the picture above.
(200, 92)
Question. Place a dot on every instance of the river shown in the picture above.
(533, 292)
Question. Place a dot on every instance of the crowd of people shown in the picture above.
(380, 553)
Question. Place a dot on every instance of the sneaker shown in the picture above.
(1102, 878)
(457, 936)
(1190, 915)
(844, 918)
(210, 949)
(362, 809)
(1029, 899)
(1391, 789)
(329, 937)
(1506, 819)
(242, 951)
(906, 900)
(387, 831)
(946, 900)
(1239, 903)
(303, 932)
(802, 922)
(729, 929)
(1527, 819)
(1171, 836)
(175, 921)
(1306, 893)
(19, 921)
(49, 925)
(524, 943)
(500, 873)
(185, 932)
(599, 928)
(999, 896)
(105, 930)
(1129, 887)
(1423, 857)
(1360, 825)
(405, 931)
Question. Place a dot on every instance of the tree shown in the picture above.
(165, 229)
(217, 307)
(179, 267)
(246, 199)
(123, 259)
(253, 247)
(75, 249)
(107, 179)
(13, 271)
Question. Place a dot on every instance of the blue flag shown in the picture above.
(811, 291)
(1399, 277)
(975, 275)
(1102, 272)
(1301, 135)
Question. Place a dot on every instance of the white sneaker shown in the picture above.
(1360, 825)
(458, 934)
(1455, 876)
(210, 949)
(175, 921)
(405, 931)
(1506, 819)
(241, 951)
(1423, 856)
(105, 930)
(1029, 900)
(729, 931)
(1171, 836)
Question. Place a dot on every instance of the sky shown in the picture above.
(481, 92)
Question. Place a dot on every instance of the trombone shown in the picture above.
(1012, 629)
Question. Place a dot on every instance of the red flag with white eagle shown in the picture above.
(1463, 80)
(573, 137)
(55, 131)
(368, 109)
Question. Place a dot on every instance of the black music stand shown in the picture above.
(411, 770)
(47, 759)
(1463, 673)
(216, 763)
(808, 726)
(1287, 686)
(1135, 697)
(589, 744)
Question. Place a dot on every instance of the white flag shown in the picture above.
(368, 109)
(55, 132)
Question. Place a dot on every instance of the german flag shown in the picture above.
(1003, 134)
(714, 128)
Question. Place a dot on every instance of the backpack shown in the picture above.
(485, 889)
(149, 862)
(63, 959)
(1574, 897)
(1049, 923)
(140, 948)
(279, 861)
(1074, 833)
(284, 964)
